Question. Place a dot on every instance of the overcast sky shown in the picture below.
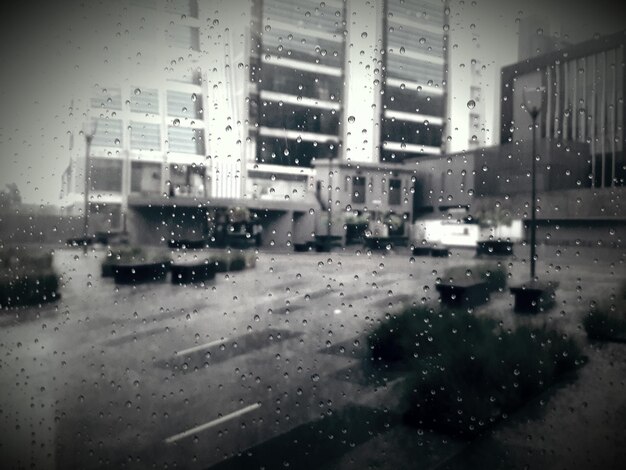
(44, 43)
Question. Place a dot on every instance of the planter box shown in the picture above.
(327, 242)
(303, 247)
(534, 297)
(494, 248)
(107, 269)
(190, 272)
(24, 289)
(189, 244)
(421, 250)
(463, 293)
(439, 252)
(138, 273)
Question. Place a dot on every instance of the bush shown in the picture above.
(605, 324)
(494, 274)
(135, 254)
(463, 371)
(27, 277)
(606, 320)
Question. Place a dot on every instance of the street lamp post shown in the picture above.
(89, 133)
(330, 201)
(533, 103)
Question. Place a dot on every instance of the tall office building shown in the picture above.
(414, 87)
(338, 78)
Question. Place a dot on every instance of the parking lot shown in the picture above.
(160, 375)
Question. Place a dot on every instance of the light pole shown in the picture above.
(330, 201)
(89, 131)
(533, 103)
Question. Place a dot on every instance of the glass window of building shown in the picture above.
(184, 37)
(186, 140)
(358, 189)
(395, 194)
(108, 133)
(184, 104)
(182, 7)
(144, 100)
(145, 136)
(106, 174)
(145, 177)
(108, 98)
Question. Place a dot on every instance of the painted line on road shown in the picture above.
(200, 347)
(210, 424)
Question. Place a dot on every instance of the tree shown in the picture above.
(11, 197)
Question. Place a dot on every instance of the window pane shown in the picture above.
(186, 140)
(145, 177)
(109, 98)
(144, 100)
(358, 189)
(106, 174)
(108, 133)
(185, 37)
(184, 104)
(395, 186)
(145, 136)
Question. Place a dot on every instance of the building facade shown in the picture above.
(241, 103)
(584, 103)
(580, 167)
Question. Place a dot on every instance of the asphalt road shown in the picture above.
(256, 368)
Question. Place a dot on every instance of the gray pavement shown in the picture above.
(233, 371)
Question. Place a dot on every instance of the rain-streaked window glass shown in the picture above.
(306, 234)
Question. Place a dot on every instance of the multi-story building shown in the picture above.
(145, 113)
(414, 78)
(239, 104)
(580, 166)
(583, 103)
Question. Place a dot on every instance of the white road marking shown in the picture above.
(210, 424)
(200, 347)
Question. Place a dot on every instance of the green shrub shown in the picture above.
(605, 324)
(134, 254)
(606, 320)
(463, 371)
(494, 274)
